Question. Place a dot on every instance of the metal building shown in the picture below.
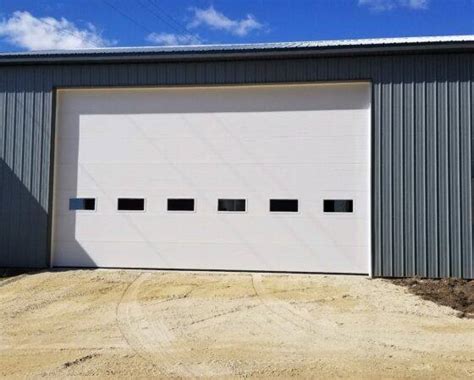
(335, 156)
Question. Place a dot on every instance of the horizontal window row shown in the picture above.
(231, 205)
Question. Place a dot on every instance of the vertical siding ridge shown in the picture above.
(438, 169)
(3, 147)
(21, 245)
(460, 174)
(448, 159)
(430, 169)
(402, 169)
(33, 123)
(392, 171)
(415, 226)
(426, 168)
(465, 162)
(377, 259)
(386, 132)
(397, 172)
(471, 119)
(470, 271)
(409, 152)
(454, 180)
(13, 166)
(5, 119)
(448, 177)
(420, 166)
(435, 173)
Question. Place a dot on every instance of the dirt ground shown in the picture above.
(455, 293)
(143, 324)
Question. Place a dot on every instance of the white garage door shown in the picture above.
(272, 177)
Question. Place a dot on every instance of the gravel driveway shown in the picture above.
(177, 324)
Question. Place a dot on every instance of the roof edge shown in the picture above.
(262, 50)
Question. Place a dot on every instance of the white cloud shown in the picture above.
(171, 39)
(26, 31)
(218, 21)
(415, 4)
(387, 5)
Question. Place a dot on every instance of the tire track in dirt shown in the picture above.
(198, 365)
(305, 322)
(216, 316)
(153, 348)
(122, 325)
(281, 309)
(152, 339)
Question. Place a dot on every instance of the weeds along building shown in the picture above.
(335, 156)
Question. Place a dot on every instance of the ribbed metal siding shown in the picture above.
(24, 167)
(422, 137)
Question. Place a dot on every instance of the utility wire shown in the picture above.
(131, 19)
(179, 28)
(154, 3)
(160, 18)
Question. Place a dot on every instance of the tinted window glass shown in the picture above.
(180, 204)
(131, 204)
(82, 204)
(283, 205)
(231, 205)
(338, 205)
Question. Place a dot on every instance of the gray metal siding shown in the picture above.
(422, 138)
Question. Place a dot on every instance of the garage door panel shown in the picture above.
(293, 178)
(99, 228)
(343, 149)
(75, 179)
(299, 178)
(281, 150)
(342, 96)
(308, 143)
(211, 177)
(328, 123)
(216, 256)
(131, 125)
(235, 229)
(218, 125)
(236, 257)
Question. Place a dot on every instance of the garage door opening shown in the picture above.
(222, 155)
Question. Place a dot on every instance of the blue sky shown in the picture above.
(73, 24)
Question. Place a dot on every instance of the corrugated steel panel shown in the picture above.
(408, 206)
(422, 140)
(250, 47)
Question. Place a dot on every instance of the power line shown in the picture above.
(179, 28)
(160, 18)
(172, 19)
(131, 19)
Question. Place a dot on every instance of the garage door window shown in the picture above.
(180, 204)
(234, 205)
(283, 205)
(131, 204)
(82, 204)
(338, 205)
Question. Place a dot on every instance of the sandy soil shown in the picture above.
(168, 324)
